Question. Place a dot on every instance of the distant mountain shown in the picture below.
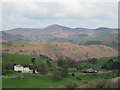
(61, 33)
(57, 27)
(51, 32)
(24, 29)
(10, 37)
(102, 28)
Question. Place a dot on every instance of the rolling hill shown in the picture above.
(54, 50)
(110, 40)
(61, 33)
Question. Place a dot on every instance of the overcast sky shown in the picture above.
(71, 14)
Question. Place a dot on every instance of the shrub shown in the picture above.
(42, 67)
(78, 78)
(20, 51)
(71, 85)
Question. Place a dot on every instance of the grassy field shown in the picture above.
(39, 80)
(34, 82)
(21, 59)
(99, 63)
(47, 82)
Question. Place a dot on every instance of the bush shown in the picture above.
(78, 78)
(20, 51)
(42, 67)
(71, 85)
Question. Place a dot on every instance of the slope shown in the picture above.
(54, 50)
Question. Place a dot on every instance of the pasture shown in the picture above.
(40, 80)
(46, 81)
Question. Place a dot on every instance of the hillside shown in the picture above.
(10, 37)
(110, 40)
(55, 49)
(61, 33)
(21, 59)
(97, 64)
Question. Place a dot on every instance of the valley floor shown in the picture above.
(46, 81)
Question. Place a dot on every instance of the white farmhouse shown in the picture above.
(22, 69)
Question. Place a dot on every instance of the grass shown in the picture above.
(47, 81)
(21, 59)
(105, 40)
(18, 59)
(92, 76)
(36, 82)
(98, 64)
(49, 46)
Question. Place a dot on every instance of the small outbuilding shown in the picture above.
(90, 70)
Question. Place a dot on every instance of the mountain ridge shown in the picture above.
(61, 33)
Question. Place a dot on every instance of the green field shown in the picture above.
(20, 59)
(34, 82)
(48, 82)
(40, 80)
(99, 63)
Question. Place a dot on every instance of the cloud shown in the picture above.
(72, 14)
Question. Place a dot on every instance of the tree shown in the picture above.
(33, 64)
(64, 69)
(92, 60)
(71, 63)
(49, 63)
(33, 60)
(73, 74)
(6, 67)
(42, 67)
(112, 65)
(63, 64)
(56, 75)
(87, 56)
(20, 50)
(60, 61)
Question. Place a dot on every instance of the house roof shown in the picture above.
(18, 65)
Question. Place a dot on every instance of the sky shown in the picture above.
(73, 14)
